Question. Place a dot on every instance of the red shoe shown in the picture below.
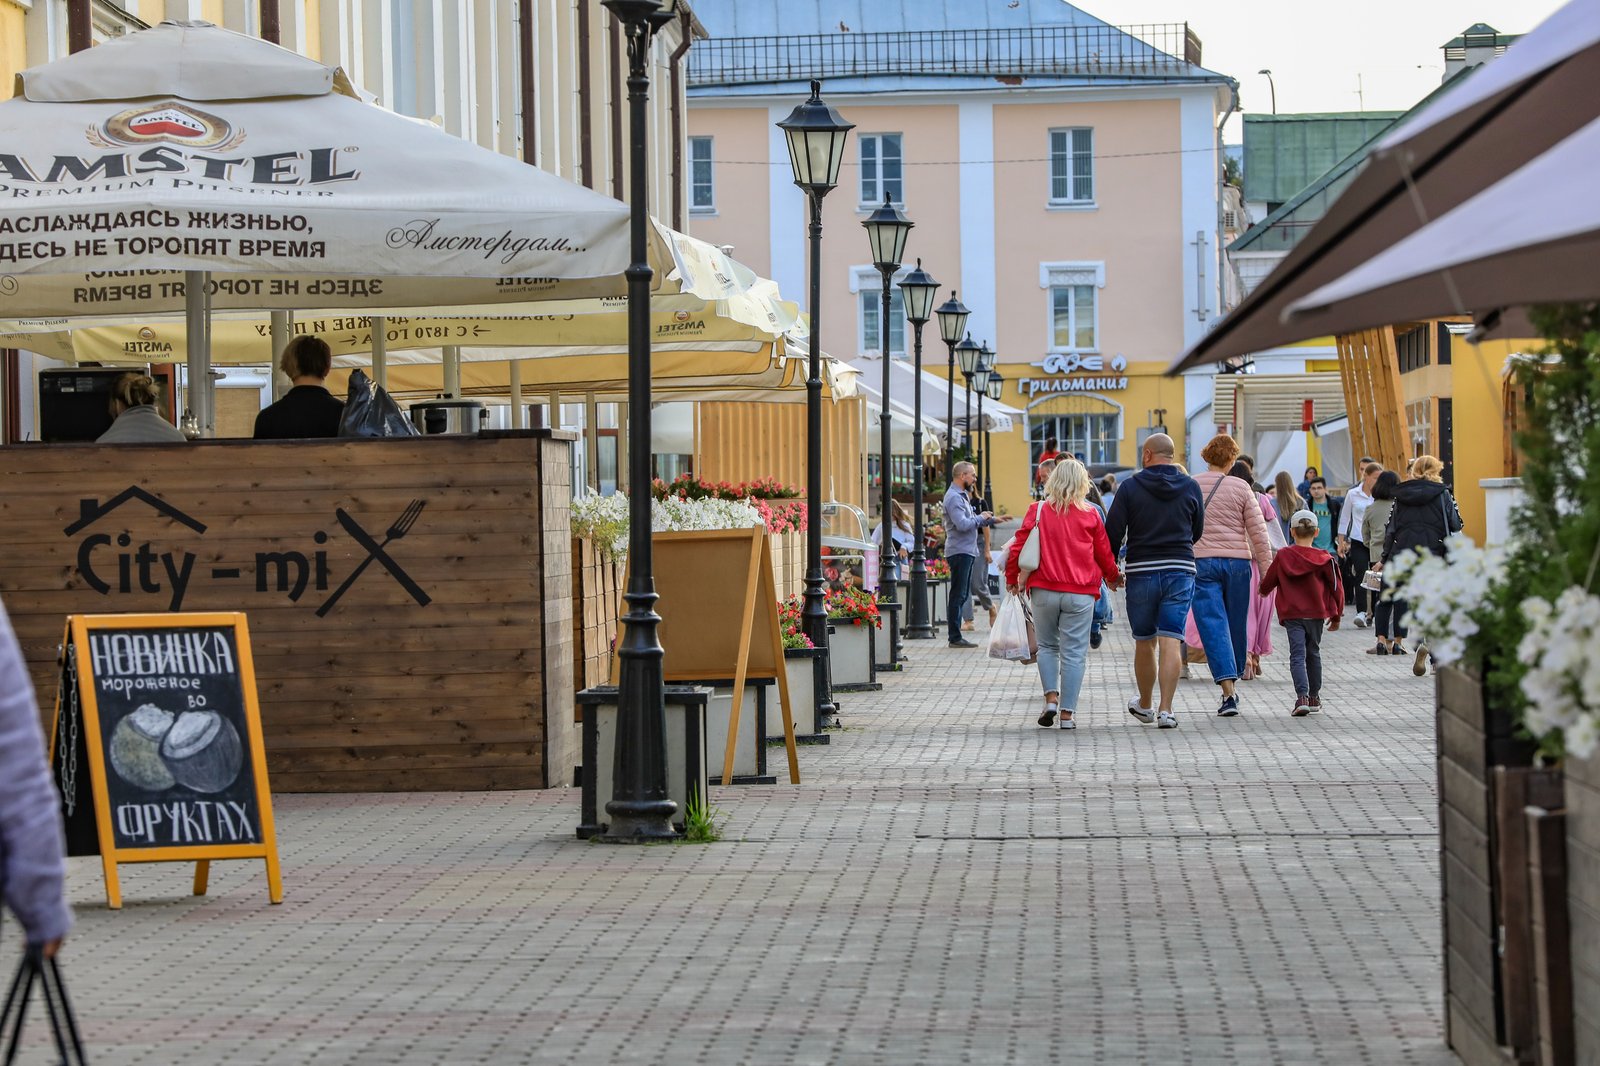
(1302, 706)
(1316, 704)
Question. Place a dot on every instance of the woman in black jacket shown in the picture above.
(1424, 516)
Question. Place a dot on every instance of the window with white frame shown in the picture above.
(1072, 166)
(702, 194)
(871, 300)
(882, 169)
(1074, 304)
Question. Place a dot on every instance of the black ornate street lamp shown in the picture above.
(816, 136)
(980, 386)
(887, 229)
(952, 324)
(919, 289)
(640, 809)
(996, 383)
(967, 355)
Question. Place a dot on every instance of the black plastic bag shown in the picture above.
(371, 412)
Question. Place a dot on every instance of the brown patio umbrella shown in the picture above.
(1532, 238)
(1545, 88)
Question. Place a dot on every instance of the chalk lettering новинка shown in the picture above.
(144, 654)
(186, 822)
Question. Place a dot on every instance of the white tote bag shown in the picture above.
(1028, 558)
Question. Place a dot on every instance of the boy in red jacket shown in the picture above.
(1307, 581)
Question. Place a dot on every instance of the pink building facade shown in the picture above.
(1064, 177)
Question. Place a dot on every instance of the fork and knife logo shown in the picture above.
(378, 552)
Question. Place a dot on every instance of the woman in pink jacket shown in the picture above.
(1074, 558)
(1234, 535)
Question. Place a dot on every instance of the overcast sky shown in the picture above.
(1316, 50)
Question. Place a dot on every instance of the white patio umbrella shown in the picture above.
(1532, 238)
(263, 181)
(1476, 132)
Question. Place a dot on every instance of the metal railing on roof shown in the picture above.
(1144, 50)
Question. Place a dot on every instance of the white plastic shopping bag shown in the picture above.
(1008, 637)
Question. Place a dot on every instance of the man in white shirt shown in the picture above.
(1353, 553)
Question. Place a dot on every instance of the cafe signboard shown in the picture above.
(1072, 372)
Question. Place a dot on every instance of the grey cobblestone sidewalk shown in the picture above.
(950, 884)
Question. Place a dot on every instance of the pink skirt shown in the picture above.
(1258, 625)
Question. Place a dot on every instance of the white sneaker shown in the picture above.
(1361, 620)
(1069, 720)
(1166, 720)
(1144, 714)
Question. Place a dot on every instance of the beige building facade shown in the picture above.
(1077, 213)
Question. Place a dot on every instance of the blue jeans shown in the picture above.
(1158, 603)
(1222, 613)
(1102, 609)
(960, 589)
(1305, 655)
(1061, 622)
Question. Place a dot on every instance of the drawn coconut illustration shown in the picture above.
(203, 751)
(136, 748)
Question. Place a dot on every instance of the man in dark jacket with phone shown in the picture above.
(1158, 513)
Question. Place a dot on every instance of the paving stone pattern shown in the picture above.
(950, 884)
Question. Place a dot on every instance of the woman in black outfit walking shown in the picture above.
(1424, 516)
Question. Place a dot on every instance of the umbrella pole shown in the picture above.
(380, 351)
(194, 314)
(591, 443)
(452, 372)
(517, 420)
(280, 341)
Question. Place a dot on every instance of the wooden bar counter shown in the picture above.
(409, 599)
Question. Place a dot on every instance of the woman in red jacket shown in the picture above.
(1074, 557)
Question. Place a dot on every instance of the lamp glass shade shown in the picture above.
(887, 228)
(816, 136)
(986, 357)
(952, 319)
(995, 383)
(919, 289)
(967, 355)
(980, 380)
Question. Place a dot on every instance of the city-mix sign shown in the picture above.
(1084, 373)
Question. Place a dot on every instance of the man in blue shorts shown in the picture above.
(1158, 511)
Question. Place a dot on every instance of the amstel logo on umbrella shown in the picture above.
(168, 122)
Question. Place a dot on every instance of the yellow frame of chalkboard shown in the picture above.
(77, 633)
(735, 623)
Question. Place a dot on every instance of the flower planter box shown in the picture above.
(851, 648)
(884, 649)
(1473, 738)
(803, 665)
(686, 752)
(939, 602)
(1582, 783)
(758, 713)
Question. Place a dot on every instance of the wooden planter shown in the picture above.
(1473, 738)
(1583, 902)
(851, 650)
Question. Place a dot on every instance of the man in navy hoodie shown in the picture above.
(1159, 513)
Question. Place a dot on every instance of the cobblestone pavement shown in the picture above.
(950, 884)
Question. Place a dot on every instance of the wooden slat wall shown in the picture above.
(744, 441)
(1471, 740)
(1370, 370)
(381, 694)
(1582, 781)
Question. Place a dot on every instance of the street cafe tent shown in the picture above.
(1543, 90)
(1532, 238)
(997, 417)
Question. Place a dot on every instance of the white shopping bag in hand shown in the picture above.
(1008, 637)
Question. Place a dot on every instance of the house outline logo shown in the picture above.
(91, 510)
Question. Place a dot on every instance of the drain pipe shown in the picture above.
(525, 89)
(270, 26)
(675, 109)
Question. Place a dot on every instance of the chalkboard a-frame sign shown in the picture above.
(156, 746)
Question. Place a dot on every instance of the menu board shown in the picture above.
(156, 747)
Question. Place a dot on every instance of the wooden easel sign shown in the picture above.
(719, 619)
(156, 745)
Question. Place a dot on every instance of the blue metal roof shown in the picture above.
(759, 46)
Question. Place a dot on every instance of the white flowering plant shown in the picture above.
(604, 519)
(1450, 598)
(1526, 618)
